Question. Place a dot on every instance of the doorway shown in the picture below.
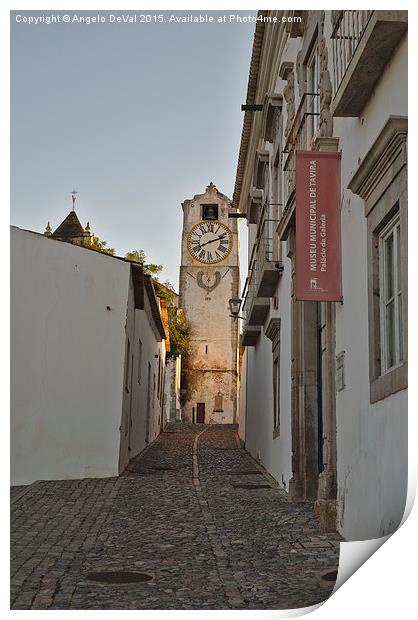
(131, 389)
(148, 404)
(200, 415)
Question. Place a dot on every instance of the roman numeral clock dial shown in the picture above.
(210, 242)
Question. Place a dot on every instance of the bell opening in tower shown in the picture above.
(210, 212)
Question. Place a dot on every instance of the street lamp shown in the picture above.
(234, 306)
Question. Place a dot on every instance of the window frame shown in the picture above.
(276, 388)
(381, 181)
(273, 333)
(393, 228)
(313, 80)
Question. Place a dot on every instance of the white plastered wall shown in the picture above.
(137, 405)
(67, 358)
(273, 452)
(371, 438)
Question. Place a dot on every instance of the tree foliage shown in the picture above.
(138, 256)
(179, 333)
(94, 243)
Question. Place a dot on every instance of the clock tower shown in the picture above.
(209, 278)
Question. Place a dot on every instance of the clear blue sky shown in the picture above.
(137, 117)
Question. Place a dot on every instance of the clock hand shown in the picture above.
(211, 241)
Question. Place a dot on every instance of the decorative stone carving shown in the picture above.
(276, 122)
(325, 86)
(273, 103)
(300, 77)
(289, 95)
(208, 281)
(211, 188)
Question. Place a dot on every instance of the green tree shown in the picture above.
(179, 333)
(138, 256)
(94, 243)
(165, 291)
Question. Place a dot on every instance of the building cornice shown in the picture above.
(386, 157)
(250, 100)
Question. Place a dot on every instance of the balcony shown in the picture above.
(363, 43)
(255, 199)
(304, 129)
(268, 274)
(254, 309)
(261, 283)
(250, 335)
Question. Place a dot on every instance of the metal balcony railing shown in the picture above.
(264, 242)
(304, 129)
(348, 28)
(262, 258)
(249, 287)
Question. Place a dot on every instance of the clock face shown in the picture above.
(210, 241)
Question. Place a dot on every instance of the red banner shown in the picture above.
(318, 229)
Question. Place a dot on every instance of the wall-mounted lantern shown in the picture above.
(234, 306)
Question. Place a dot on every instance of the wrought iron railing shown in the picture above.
(248, 292)
(262, 254)
(265, 240)
(348, 28)
(303, 131)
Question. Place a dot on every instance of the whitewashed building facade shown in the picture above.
(87, 360)
(326, 383)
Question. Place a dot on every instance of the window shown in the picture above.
(381, 180)
(312, 97)
(276, 389)
(390, 295)
(218, 402)
(273, 333)
(210, 212)
(139, 359)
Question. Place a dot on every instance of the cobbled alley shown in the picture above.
(194, 513)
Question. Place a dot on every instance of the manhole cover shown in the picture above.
(119, 576)
(330, 577)
(251, 486)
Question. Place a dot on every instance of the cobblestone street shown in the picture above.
(194, 512)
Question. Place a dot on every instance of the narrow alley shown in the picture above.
(194, 516)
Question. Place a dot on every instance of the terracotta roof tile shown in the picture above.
(70, 227)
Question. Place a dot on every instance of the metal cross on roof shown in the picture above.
(73, 197)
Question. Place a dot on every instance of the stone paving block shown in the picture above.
(175, 516)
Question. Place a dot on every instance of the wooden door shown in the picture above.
(200, 416)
